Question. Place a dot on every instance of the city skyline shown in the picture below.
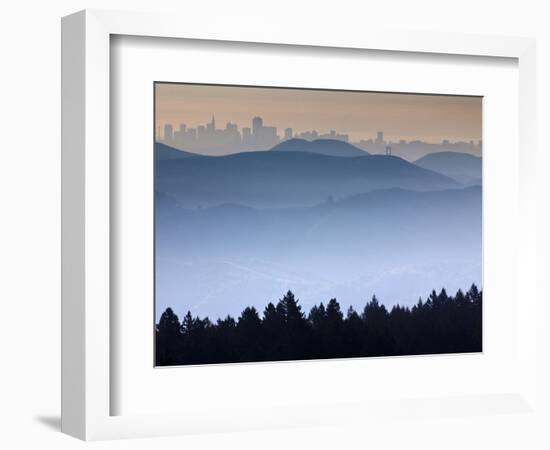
(355, 117)
(209, 139)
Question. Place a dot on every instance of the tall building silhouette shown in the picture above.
(211, 127)
(247, 137)
(257, 125)
(168, 134)
(288, 133)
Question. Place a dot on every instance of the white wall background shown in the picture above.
(29, 224)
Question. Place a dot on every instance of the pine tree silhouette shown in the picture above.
(168, 339)
(442, 324)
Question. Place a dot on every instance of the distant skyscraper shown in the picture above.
(168, 134)
(380, 137)
(288, 133)
(201, 132)
(257, 125)
(211, 127)
(230, 136)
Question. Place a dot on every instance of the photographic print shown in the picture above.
(303, 224)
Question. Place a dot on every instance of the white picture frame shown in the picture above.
(87, 320)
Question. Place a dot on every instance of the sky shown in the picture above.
(431, 118)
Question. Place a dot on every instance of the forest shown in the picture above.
(441, 324)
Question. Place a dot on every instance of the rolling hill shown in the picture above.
(268, 179)
(463, 167)
(164, 152)
(329, 147)
(394, 243)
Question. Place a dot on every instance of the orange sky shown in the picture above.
(430, 118)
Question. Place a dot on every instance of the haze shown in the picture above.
(429, 118)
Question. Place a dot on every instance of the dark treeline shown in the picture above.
(441, 324)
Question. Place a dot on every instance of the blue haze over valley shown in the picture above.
(313, 213)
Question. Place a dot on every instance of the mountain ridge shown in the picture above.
(393, 242)
(277, 179)
(463, 167)
(165, 152)
(329, 147)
